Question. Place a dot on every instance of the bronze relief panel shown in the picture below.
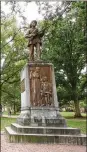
(41, 91)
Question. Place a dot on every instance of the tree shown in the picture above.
(64, 46)
(14, 55)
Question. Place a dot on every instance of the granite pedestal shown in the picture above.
(40, 120)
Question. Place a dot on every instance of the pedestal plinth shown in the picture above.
(39, 104)
(40, 120)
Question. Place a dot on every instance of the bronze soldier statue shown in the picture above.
(34, 36)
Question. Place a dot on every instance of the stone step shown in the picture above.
(45, 130)
(44, 138)
(40, 121)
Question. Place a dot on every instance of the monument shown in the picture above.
(40, 120)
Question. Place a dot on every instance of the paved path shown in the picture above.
(12, 116)
(29, 147)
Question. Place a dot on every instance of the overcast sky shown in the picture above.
(31, 11)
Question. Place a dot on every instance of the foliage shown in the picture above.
(14, 56)
(64, 46)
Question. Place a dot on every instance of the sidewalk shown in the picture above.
(29, 147)
(12, 116)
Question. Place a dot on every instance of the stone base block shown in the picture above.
(44, 138)
(41, 117)
(45, 130)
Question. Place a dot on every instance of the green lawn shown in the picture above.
(6, 122)
(70, 115)
(77, 123)
(6, 113)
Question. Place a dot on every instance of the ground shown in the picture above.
(29, 147)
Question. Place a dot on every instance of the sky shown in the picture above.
(31, 11)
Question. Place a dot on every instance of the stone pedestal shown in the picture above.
(40, 120)
(39, 104)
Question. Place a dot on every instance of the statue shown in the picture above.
(34, 36)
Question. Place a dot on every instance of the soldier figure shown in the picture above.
(34, 36)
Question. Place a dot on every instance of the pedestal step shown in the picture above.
(16, 137)
(24, 119)
(44, 130)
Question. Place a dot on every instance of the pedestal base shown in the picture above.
(23, 134)
(40, 120)
(41, 117)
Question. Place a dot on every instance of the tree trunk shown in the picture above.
(77, 109)
(14, 108)
(76, 102)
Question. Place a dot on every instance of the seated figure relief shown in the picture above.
(46, 92)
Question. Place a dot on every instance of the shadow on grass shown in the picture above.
(72, 117)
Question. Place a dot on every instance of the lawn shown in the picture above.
(12, 113)
(77, 123)
(74, 122)
(71, 121)
(6, 122)
(70, 115)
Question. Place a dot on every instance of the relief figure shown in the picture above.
(35, 86)
(46, 92)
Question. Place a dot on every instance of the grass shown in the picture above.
(74, 122)
(77, 123)
(6, 122)
(71, 121)
(69, 115)
(6, 113)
